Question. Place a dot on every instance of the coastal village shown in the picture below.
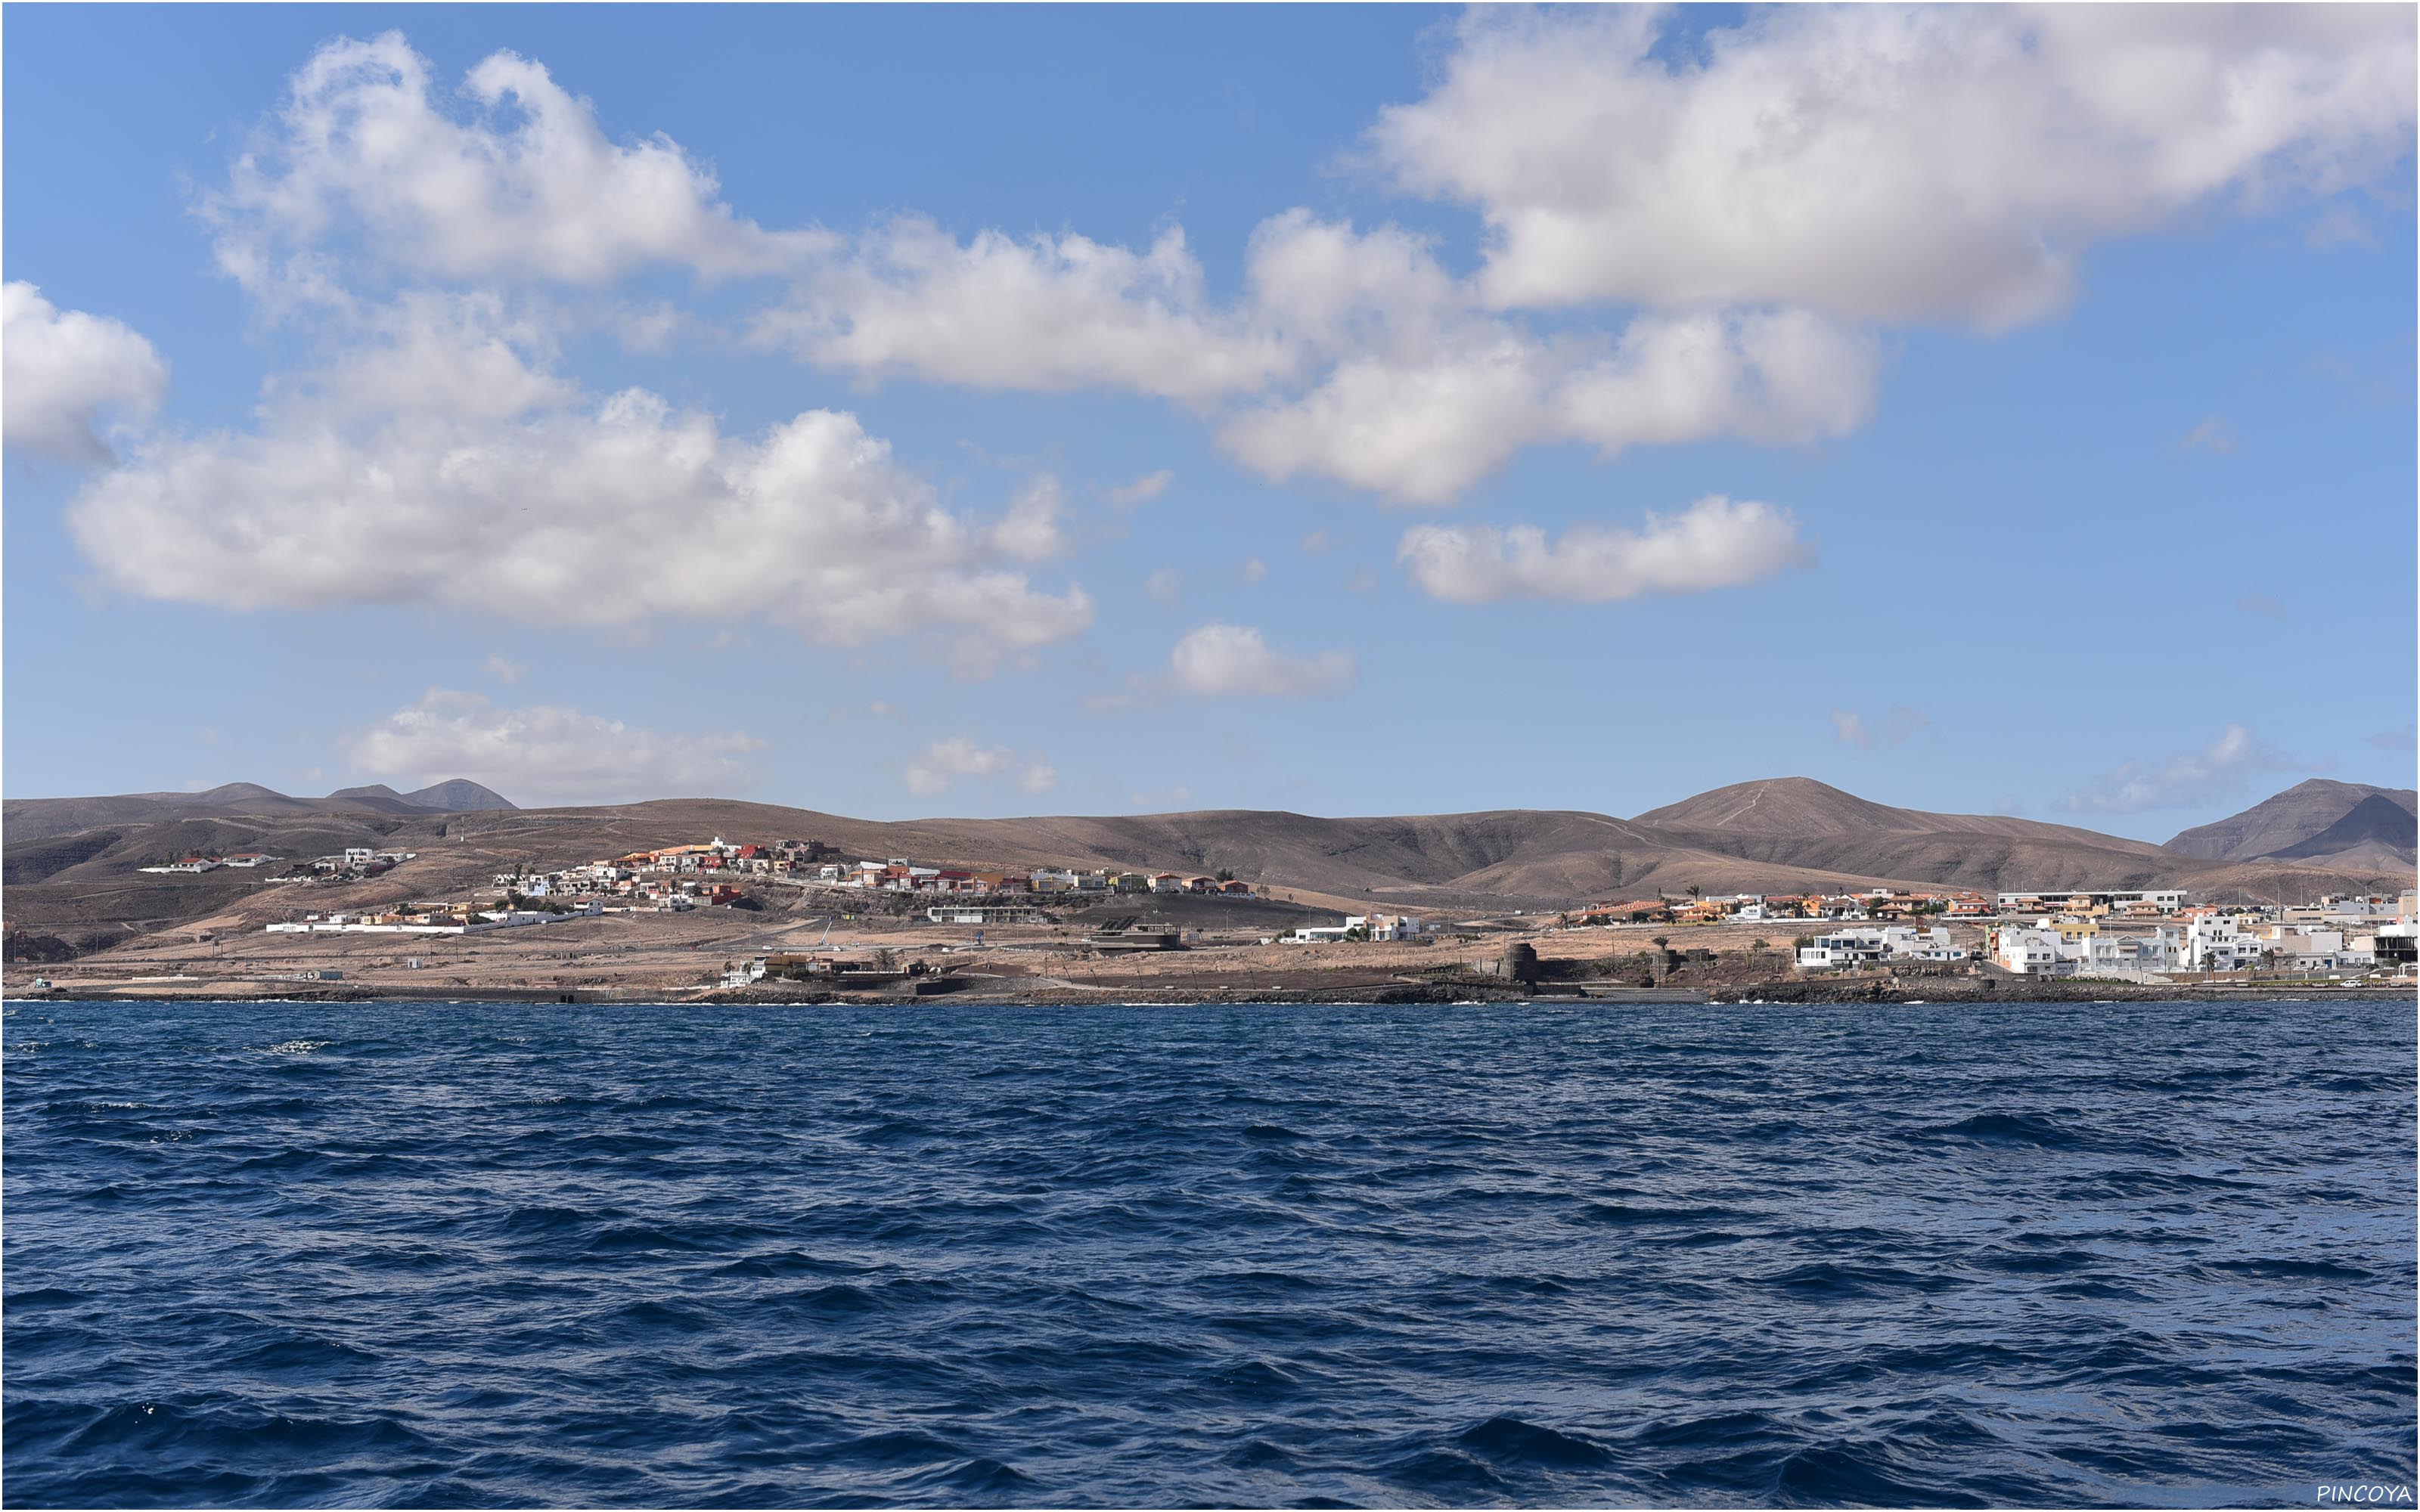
(699, 899)
(1779, 888)
(908, 925)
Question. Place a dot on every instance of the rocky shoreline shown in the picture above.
(1002, 991)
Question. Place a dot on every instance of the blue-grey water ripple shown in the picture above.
(465, 1254)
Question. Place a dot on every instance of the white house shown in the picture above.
(2032, 952)
(2216, 944)
(2159, 951)
(1329, 934)
(1867, 946)
(2304, 947)
(1907, 943)
(745, 973)
(985, 912)
(1842, 948)
(2050, 899)
(2395, 944)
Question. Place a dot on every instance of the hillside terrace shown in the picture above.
(1749, 908)
(677, 878)
(193, 865)
(812, 862)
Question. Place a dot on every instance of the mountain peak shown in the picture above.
(1796, 804)
(456, 796)
(459, 795)
(235, 792)
(2283, 825)
(2377, 822)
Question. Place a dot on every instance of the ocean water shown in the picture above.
(465, 1254)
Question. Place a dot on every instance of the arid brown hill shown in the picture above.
(28, 819)
(1793, 820)
(2308, 822)
(1785, 834)
(2377, 831)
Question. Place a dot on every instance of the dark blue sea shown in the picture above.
(482, 1254)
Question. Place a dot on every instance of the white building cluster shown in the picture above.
(194, 865)
(899, 874)
(2053, 951)
(1848, 947)
(2144, 934)
(1392, 927)
(2303, 941)
(410, 920)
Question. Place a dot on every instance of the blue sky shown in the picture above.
(1534, 410)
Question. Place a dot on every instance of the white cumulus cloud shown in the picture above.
(1031, 531)
(370, 155)
(1048, 313)
(1884, 162)
(2187, 780)
(1714, 543)
(1420, 422)
(439, 464)
(945, 763)
(547, 754)
(62, 370)
(1351, 355)
(1893, 728)
(1140, 490)
(1236, 661)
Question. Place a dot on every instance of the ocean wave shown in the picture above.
(476, 1254)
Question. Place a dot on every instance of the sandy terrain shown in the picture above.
(677, 954)
(656, 955)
